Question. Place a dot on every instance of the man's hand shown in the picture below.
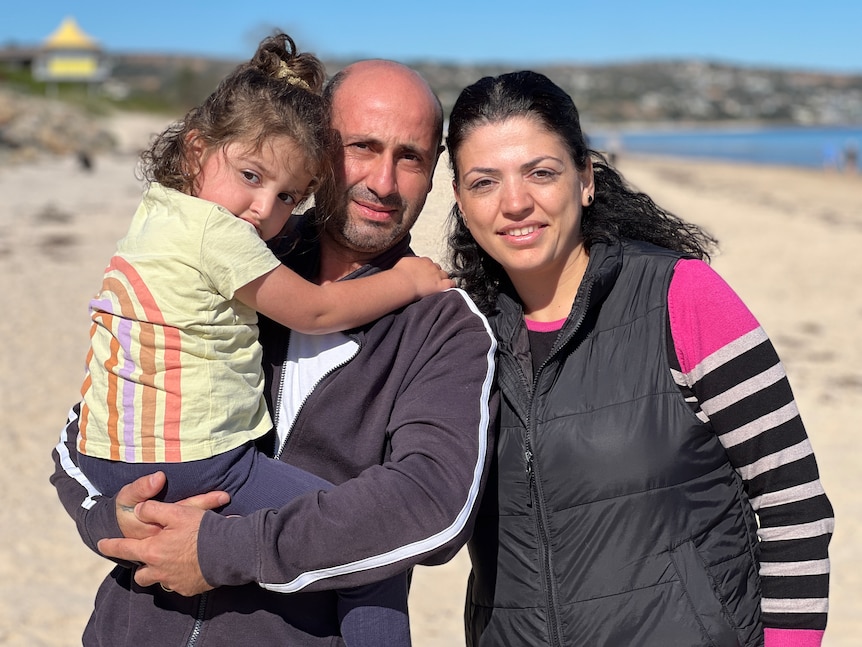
(170, 556)
(162, 537)
(146, 488)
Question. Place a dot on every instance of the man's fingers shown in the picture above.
(156, 512)
(170, 556)
(170, 515)
(141, 489)
(125, 549)
(131, 495)
(208, 501)
(143, 577)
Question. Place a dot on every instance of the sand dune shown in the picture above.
(790, 242)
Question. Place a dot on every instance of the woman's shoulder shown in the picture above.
(705, 313)
(643, 249)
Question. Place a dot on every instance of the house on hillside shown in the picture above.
(70, 55)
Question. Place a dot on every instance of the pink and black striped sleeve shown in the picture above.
(732, 378)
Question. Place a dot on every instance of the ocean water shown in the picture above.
(815, 147)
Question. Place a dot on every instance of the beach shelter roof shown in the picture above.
(70, 36)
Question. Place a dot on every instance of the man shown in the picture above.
(397, 414)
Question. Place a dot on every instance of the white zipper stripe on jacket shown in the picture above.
(309, 359)
(438, 539)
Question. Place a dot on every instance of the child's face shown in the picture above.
(261, 187)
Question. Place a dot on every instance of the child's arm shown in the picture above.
(284, 296)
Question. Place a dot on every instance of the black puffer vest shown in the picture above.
(612, 516)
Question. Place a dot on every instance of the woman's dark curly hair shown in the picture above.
(617, 211)
(277, 93)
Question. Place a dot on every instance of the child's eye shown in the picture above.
(287, 199)
(251, 176)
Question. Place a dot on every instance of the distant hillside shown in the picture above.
(643, 93)
(648, 92)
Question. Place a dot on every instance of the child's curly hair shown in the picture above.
(277, 93)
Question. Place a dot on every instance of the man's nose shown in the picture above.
(381, 178)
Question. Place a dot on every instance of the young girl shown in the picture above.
(175, 379)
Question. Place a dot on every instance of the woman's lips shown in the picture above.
(522, 232)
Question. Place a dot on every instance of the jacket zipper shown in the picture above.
(198, 626)
(533, 485)
(277, 411)
(535, 500)
(541, 529)
(199, 620)
(276, 448)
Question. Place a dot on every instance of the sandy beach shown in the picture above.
(790, 246)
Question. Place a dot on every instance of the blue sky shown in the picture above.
(823, 35)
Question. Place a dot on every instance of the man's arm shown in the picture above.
(98, 516)
(93, 513)
(418, 507)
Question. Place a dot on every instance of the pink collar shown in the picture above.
(544, 326)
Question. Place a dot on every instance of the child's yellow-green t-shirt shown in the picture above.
(174, 370)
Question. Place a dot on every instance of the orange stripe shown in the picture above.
(104, 319)
(146, 361)
(113, 411)
(149, 398)
(172, 362)
(84, 414)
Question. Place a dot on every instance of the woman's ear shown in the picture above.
(458, 203)
(588, 184)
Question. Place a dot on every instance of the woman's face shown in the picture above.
(521, 196)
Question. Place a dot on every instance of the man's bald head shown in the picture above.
(394, 77)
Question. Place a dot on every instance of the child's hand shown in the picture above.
(426, 276)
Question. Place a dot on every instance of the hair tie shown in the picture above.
(284, 72)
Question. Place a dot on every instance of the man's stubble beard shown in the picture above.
(365, 237)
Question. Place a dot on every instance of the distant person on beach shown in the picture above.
(654, 484)
(615, 147)
(851, 157)
(396, 413)
(175, 381)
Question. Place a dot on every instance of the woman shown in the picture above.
(647, 427)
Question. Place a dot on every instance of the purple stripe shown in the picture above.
(129, 387)
(104, 305)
